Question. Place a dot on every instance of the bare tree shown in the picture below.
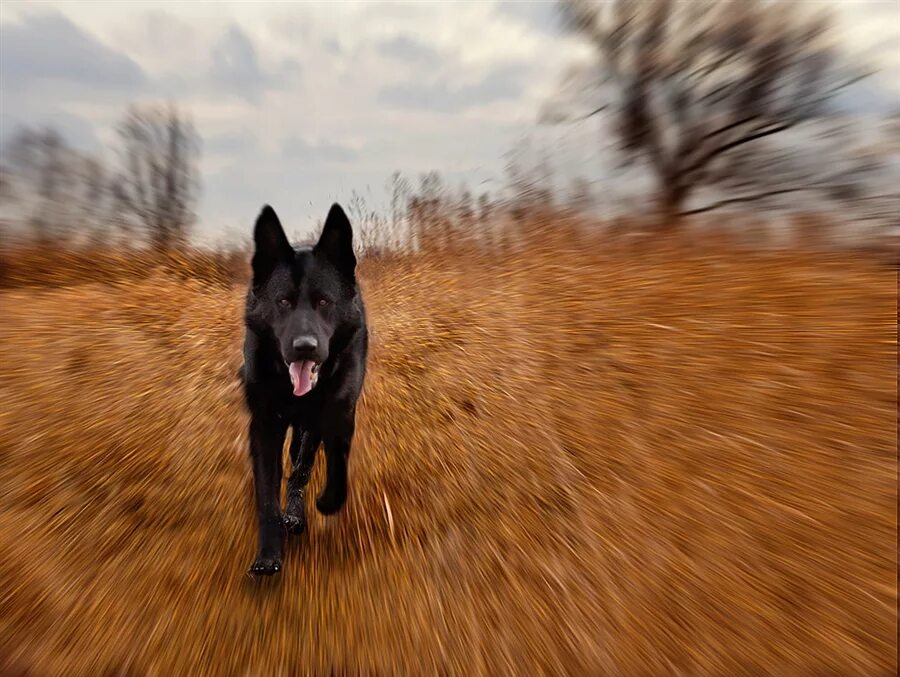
(484, 208)
(696, 87)
(400, 192)
(465, 212)
(529, 178)
(158, 184)
(95, 213)
(373, 237)
(55, 190)
(42, 162)
(426, 211)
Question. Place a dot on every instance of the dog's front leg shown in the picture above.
(303, 454)
(266, 443)
(337, 452)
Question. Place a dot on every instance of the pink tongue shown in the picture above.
(301, 376)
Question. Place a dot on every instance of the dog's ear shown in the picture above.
(336, 241)
(271, 245)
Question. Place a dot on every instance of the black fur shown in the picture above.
(309, 296)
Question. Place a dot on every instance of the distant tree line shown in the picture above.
(148, 192)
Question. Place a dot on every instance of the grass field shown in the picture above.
(570, 459)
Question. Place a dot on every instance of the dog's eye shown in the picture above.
(284, 303)
(323, 302)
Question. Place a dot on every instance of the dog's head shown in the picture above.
(305, 295)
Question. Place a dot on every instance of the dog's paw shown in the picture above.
(266, 566)
(331, 501)
(294, 524)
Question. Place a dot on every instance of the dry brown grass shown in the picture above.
(48, 266)
(569, 460)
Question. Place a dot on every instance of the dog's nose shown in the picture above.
(305, 343)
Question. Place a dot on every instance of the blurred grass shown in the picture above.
(572, 457)
(27, 265)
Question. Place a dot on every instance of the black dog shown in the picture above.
(304, 363)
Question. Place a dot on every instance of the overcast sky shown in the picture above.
(299, 103)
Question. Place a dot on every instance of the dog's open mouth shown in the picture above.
(303, 376)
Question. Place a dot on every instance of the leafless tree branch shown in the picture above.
(158, 183)
(692, 84)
